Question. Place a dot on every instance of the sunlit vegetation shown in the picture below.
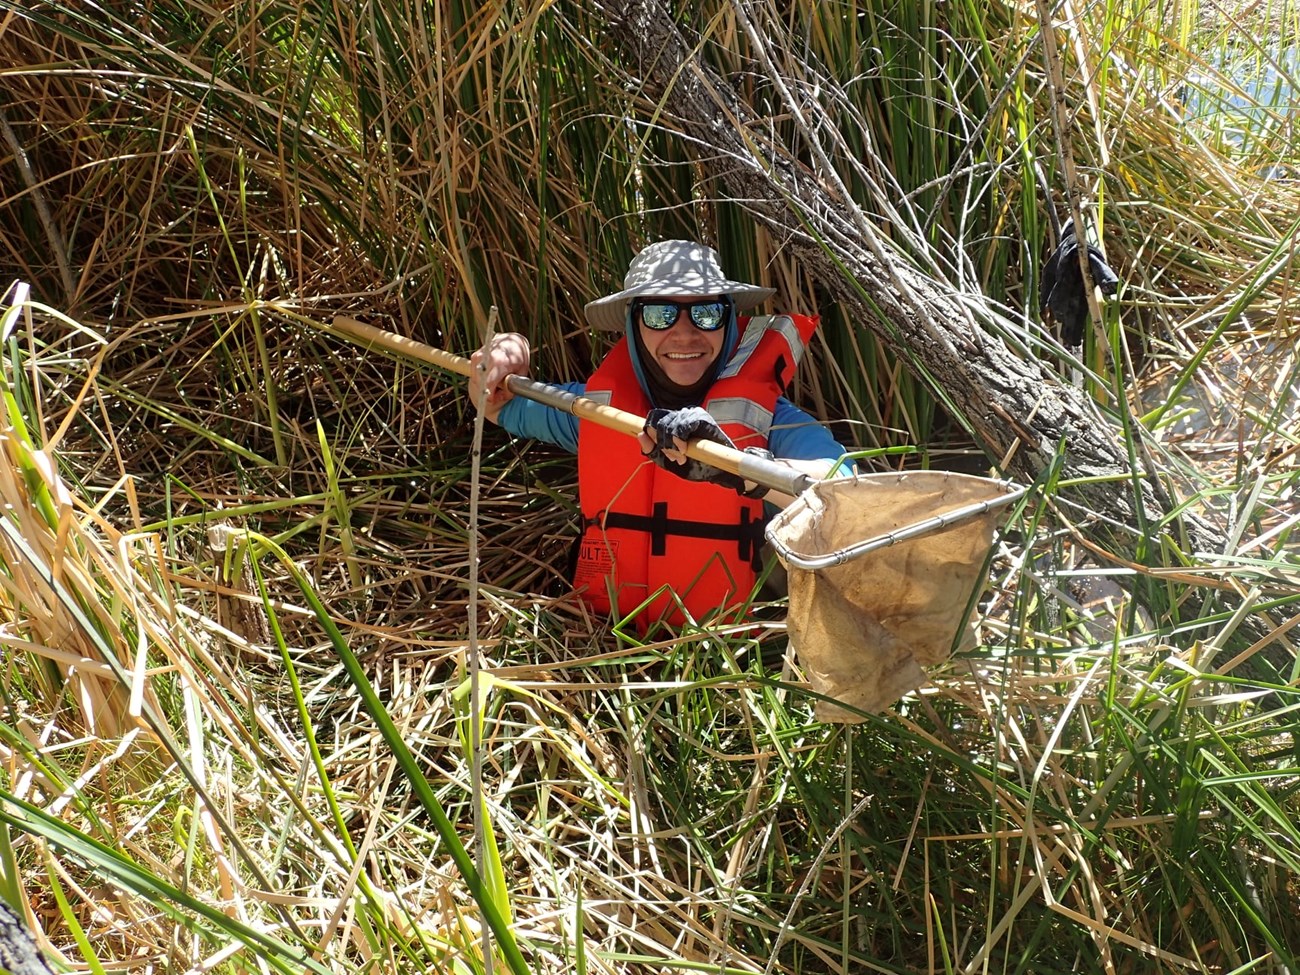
(238, 726)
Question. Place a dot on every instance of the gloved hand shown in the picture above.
(665, 427)
(1061, 289)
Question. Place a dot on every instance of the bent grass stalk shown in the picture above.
(489, 858)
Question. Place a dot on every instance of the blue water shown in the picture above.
(1245, 98)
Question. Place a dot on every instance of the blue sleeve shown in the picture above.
(797, 436)
(525, 418)
(794, 434)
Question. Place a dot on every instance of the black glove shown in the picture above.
(1061, 290)
(694, 423)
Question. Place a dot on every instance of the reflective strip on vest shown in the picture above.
(759, 326)
(749, 340)
(786, 326)
(745, 412)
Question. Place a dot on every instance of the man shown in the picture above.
(666, 537)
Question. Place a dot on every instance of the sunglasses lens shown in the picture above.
(708, 315)
(658, 316)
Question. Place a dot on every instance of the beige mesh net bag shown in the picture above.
(883, 570)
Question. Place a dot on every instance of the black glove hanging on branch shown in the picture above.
(694, 423)
(1061, 291)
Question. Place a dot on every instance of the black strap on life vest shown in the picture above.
(747, 533)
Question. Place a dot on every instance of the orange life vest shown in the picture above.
(652, 538)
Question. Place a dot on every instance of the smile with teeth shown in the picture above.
(682, 355)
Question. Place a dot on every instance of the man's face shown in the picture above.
(683, 351)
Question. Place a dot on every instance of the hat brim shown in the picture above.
(610, 313)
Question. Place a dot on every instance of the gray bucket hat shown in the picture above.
(672, 267)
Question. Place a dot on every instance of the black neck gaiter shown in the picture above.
(664, 393)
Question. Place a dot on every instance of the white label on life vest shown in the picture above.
(596, 557)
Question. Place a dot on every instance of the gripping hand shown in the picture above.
(670, 430)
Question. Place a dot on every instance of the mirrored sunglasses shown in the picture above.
(659, 313)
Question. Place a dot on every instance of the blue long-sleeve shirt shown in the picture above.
(794, 435)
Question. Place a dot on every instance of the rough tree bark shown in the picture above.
(1011, 401)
